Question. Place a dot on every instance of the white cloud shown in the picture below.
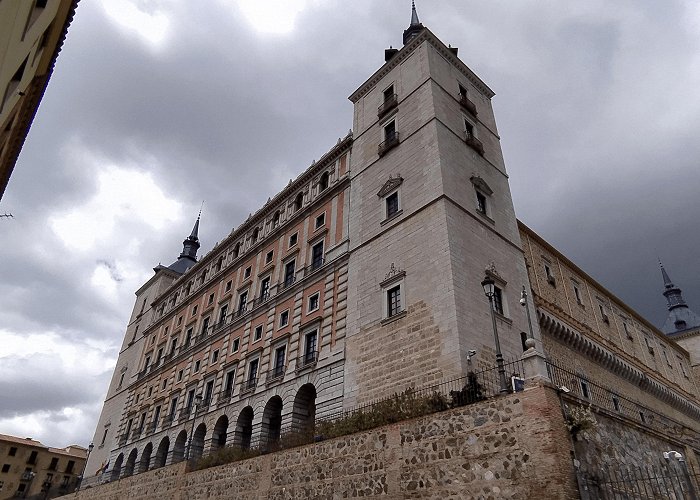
(151, 27)
(123, 195)
(272, 16)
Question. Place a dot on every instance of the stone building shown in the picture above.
(31, 36)
(29, 468)
(362, 278)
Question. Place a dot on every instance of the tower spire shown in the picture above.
(680, 317)
(188, 256)
(415, 27)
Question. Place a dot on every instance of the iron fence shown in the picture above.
(672, 481)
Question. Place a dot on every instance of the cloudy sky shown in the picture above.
(156, 105)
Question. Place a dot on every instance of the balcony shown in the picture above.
(225, 397)
(276, 374)
(469, 106)
(249, 385)
(390, 142)
(389, 103)
(28, 475)
(316, 264)
(475, 144)
(308, 359)
(288, 281)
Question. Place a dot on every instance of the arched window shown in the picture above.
(323, 182)
(145, 461)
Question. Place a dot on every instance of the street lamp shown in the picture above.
(674, 455)
(197, 402)
(530, 341)
(490, 290)
(90, 447)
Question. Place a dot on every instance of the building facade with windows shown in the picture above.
(30, 469)
(362, 278)
(31, 35)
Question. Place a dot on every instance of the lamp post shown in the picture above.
(530, 341)
(90, 447)
(490, 290)
(676, 456)
(197, 402)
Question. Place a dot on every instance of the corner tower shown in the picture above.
(430, 214)
(126, 370)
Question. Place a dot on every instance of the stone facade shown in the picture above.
(488, 450)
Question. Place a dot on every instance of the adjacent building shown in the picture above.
(31, 469)
(362, 278)
(31, 36)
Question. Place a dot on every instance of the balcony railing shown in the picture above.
(316, 264)
(249, 385)
(308, 359)
(28, 475)
(276, 373)
(467, 104)
(475, 144)
(391, 141)
(389, 103)
(288, 281)
(225, 396)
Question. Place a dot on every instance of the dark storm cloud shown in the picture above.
(596, 107)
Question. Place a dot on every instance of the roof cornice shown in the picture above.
(407, 50)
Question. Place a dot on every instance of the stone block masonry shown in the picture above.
(515, 446)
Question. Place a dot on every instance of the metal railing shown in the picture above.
(250, 384)
(467, 104)
(307, 359)
(276, 373)
(389, 103)
(391, 141)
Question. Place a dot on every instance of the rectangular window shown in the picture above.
(215, 356)
(498, 300)
(222, 313)
(603, 314)
(70, 466)
(577, 293)
(616, 403)
(257, 334)
(179, 375)
(246, 273)
(173, 407)
(320, 221)
(265, 288)
(310, 350)
(32, 458)
(242, 301)
(211, 299)
(293, 239)
(389, 93)
(253, 372)
(462, 91)
(13, 451)
(289, 273)
(6, 468)
(317, 256)
(280, 353)
(197, 364)
(190, 401)
(469, 129)
(150, 392)
(392, 204)
(194, 311)
(628, 333)
(481, 202)
(269, 256)
(208, 392)
(229, 283)
(236, 344)
(649, 346)
(159, 355)
(284, 318)
(584, 390)
(390, 131)
(313, 302)
(188, 337)
(393, 296)
(173, 345)
(205, 325)
(228, 384)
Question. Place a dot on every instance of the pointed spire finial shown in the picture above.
(415, 27)
(414, 14)
(667, 280)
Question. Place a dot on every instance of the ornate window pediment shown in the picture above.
(481, 185)
(391, 184)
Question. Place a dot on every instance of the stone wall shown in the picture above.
(514, 446)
